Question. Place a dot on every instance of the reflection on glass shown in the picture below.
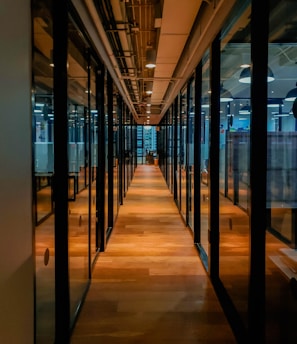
(204, 153)
(170, 150)
(116, 200)
(281, 262)
(78, 160)
(234, 168)
(43, 155)
(183, 154)
(177, 173)
(44, 196)
(191, 124)
(94, 160)
(128, 150)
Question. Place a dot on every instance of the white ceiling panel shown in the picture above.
(132, 29)
(164, 70)
(180, 15)
(170, 47)
(159, 88)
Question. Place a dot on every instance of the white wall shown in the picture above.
(16, 259)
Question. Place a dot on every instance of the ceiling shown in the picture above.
(122, 31)
(180, 32)
(173, 28)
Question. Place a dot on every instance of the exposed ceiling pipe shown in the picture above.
(121, 20)
(87, 11)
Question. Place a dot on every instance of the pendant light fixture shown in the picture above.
(149, 87)
(292, 94)
(225, 95)
(245, 75)
(150, 58)
(245, 110)
(274, 102)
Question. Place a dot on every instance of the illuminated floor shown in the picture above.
(150, 286)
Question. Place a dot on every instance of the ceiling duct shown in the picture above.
(124, 31)
(127, 28)
(89, 15)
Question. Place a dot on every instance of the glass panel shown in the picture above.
(42, 137)
(178, 155)
(106, 158)
(204, 152)
(128, 150)
(191, 129)
(94, 156)
(234, 159)
(116, 200)
(141, 154)
(78, 150)
(150, 143)
(281, 262)
(183, 154)
(170, 150)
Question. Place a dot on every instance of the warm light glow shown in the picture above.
(245, 75)
(150, 58)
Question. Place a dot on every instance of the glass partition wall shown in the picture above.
(183, 153)
(169, 152)
(178, 152)
(93, 156)
(82, 138)
(281, 199)
(43, 155)
(81, 92)
(116, 136)
(204, 157)
(236, 119)
(190, 167)
(234, 138)
(249, 211)
(127, 146)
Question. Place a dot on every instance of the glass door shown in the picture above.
(43, 171)
(204, 158)
(191, 123)
(183, 154)
(81, 100)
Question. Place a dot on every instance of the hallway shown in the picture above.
(150, 286)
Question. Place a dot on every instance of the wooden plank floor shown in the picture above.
(150, 287)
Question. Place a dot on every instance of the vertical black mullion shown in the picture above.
(60, 37)
(258, 161)
(135, 145)
(172, 158)
(187, 151)
(110, 149)
(165, 150)
(121, 150)
(131, 159)
(100, 182)
(214, 152)
(131, 152)
(88, 114)
(197, 154)
(175, 110)
(180, 142)
(294, 227)
(142, 144)
(85, 138)
(132, 147)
